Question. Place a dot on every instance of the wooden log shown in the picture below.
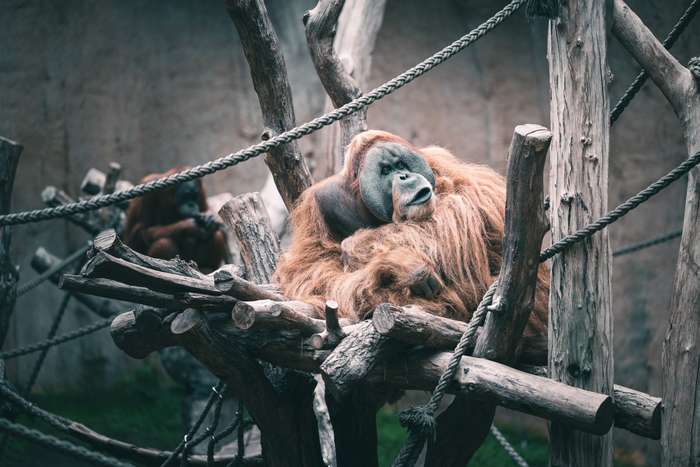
(580, 319)
(412, 325)
(229, 283)
(104, 265)
(131, 293)
(94, 182)
(341, 35)
(245, 215)
(637, 412)
(269, 74)
(333, 333)
(141, 332)
(525, 226)
(276, 315)
(354, 357)
(680, 436)
(493, 382)
(53, 197)
(109, 242)
(42, 260)
(9, 160)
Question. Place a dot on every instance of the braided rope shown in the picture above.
(622, 210)
(46, 343)
(58, 267)
(283, 138)
(55, 443)
(219, 436)
(627, 249)
(215, 391)
(641, 78)
(507, 447)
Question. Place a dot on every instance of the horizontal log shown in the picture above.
(104, 265)
(230, 284)
(277, 315)
(354, 357)
(140, 332)
(633, 410)
(109, 242)
(494, 382)
(414, 326)
(132, 293)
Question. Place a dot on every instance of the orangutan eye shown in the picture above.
(401, 165)
(385, 171)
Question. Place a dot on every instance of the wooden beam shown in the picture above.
(247, 218)
(463, 427)
(269, 73)
(9, 160)
(680, 419)
(580, 320)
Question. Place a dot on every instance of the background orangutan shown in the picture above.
(174, 222)
(402, 225)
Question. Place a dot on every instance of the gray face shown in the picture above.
(392, 169)
(187, 199)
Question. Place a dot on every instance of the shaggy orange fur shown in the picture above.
(459, 244)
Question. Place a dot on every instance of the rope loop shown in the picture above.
(419, 420)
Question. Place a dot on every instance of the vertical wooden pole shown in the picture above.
(580, 327)
(680, 421)
(9, 158)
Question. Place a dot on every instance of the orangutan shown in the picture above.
(403, 225)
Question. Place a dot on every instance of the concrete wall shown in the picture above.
(155, 84)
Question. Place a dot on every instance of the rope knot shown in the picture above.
(419, 420)
(694, 67)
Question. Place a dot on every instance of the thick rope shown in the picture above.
(622, 210)
(33, 283)
(59, 444)
(627, 249)
(210, 430)
(284, 138)
(194, 428)
(507, 447)
(214, 440)
(46, 343)
(641, 78)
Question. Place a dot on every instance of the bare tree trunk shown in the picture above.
(580, 323)
(680, 422)
(341, 36)
(269, 74)
(9, 159)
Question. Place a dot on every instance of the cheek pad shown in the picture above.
(375, 189)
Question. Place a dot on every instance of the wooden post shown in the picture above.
(246, 217)
(9, 159)
(580, 326)
(525, 225)
(680, 423)
(269, 73)
(341, 36)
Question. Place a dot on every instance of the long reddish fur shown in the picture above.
(460, 244)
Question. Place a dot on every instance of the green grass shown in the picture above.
(534, 449)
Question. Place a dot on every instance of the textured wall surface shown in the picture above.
(155, 84)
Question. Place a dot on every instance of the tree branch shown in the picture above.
(674, 80)
(269, 74)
